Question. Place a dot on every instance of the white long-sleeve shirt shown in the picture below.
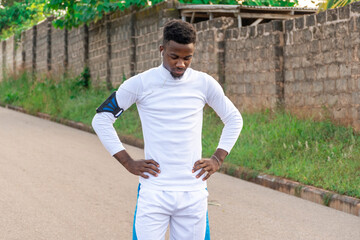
(171, 113)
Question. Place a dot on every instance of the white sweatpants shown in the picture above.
(186, 212)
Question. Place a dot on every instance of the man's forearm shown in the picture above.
(123, 157)
(138, 167)
(102, 124)
(220, 154)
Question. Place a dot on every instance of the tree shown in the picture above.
(72, 13)
(271, 3)
(16, 16)
(8, 3)
(334, 4)
(233, 2)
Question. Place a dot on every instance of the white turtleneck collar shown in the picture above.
(166, 73)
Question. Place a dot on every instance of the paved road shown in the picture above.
(59, 183)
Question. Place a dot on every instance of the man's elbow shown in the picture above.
(95, 122)
(239, 120)
(102, 120)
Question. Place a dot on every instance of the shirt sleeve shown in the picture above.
(227, 112)
(103, 122)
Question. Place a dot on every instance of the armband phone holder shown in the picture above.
(110, 105)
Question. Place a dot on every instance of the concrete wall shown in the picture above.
(210, 46)
(77, 43)
(2, 55)
(98, 51)
(58, 50)
(9, 57)
(308, 65)
(121, 47)
(43, 47)
(148, 34)
(253, 66)
(18, 55)
(322, 69)
(28, 39)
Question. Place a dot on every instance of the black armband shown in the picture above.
(110, 105)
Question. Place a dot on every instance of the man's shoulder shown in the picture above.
(150, 71)
(207, 80)
(200, 74)
(137, 79)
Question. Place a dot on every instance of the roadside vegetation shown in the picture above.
(331, 4)
(320, 154)
(19, 15)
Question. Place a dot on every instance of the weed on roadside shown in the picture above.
(314, 153)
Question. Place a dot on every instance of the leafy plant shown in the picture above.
(70, 13)
(16, 16)
(11, 97)
(271, 3)
(328, 4)
(327, 198)
(234, 2)
(84, 78)
(314, 153)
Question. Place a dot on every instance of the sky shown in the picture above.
(309, 3)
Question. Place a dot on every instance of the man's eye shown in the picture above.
(173, 57)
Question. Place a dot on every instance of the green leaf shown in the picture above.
(100, 8)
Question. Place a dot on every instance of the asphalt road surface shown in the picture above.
(57, 182)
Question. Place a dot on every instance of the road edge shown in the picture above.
(327, 198)
(333, 200)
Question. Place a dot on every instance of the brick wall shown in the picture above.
(42, 47)
(253, 66)
(108, 46)
(148, 34)
(121, 47)
(209, 54)
(147, 40)
(9, 53)
(18, 51)
(28, 38)
(309, 65)
(1, 60)
(76, 50)
(98, 51)
(322, 65)
(58, 50)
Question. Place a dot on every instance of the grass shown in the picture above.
(320, 154)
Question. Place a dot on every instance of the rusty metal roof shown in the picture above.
(257, 13)
(236, 7)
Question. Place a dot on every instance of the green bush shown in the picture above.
(315, 153)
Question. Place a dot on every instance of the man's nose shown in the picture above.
(180, 63)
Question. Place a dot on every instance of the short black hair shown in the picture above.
(179, 31)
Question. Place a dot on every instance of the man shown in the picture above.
(170, 100)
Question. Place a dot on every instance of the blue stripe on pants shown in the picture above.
(134, 231)
(207, 232)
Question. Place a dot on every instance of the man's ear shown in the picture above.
(161, 48)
